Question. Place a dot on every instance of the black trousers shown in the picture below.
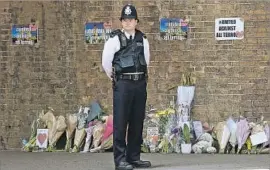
(129, 100)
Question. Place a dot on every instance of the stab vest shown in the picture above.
(130, 58)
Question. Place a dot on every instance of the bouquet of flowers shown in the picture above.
(150, 133)
(168, 132)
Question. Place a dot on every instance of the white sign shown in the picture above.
(152, 138)
(258, 138)
(229, 29)
(152, 131)
(42, 138)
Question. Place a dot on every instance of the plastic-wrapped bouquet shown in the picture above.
(164, 117)
(157, 129)
(176, 139)
(167, 126)
(150, 133)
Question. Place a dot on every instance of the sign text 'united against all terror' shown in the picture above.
(229, 29)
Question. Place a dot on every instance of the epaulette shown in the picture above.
(115, 32)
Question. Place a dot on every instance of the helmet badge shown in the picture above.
(128, 10)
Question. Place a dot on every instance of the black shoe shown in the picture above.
(141, 164)
(124, 166)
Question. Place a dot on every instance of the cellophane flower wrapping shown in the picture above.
(267, 132)
(98, 133)
(242, 132)
(185, 96)
(231, 124)
(152, 138)
(80, 132)
(223, 134)
(71, 120)
(149, 139)
(89, 133)
(58, 129)
(174, 131)
(79, 136)
(108, 128)
(169, 131)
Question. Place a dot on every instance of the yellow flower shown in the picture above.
(170, 111)
(166, 112)
(161, 112)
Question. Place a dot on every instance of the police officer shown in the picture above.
(125, 59)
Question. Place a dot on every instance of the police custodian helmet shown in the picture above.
(129, 11)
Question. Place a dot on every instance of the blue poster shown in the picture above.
(97, 32)
(24, 34)
(173, 28)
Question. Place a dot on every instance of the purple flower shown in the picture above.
(175, 130)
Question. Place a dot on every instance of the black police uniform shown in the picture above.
(129, 96)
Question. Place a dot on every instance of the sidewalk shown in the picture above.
(14, 160)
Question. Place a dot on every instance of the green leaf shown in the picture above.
(186, 133)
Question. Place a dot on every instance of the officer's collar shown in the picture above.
(127, 34)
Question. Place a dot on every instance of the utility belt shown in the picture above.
(132, 76)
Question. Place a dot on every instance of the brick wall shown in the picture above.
(63, 72)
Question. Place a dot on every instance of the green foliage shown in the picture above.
(187, 79)
(186, 133)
